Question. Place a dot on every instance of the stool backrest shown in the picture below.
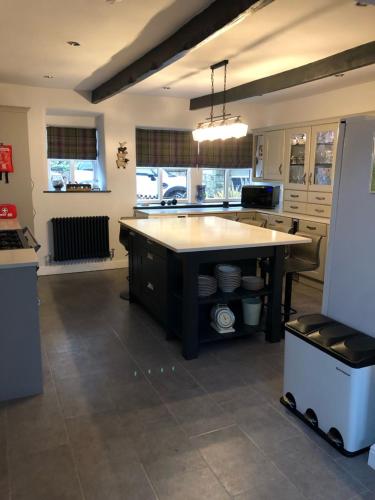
(307, 251)
(256, 222)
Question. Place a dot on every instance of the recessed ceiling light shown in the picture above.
(166, 88)
(73, 43)
(48, 76)
(339, 75)
(113, 1)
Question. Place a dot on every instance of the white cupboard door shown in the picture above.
(258, 150)
(273, 155)
(297, 154)
(322, 157)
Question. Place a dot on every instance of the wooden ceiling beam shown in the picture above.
(217, 15)
(354, 58)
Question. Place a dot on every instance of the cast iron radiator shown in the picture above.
(76, 238)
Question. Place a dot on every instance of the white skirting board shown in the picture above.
(82, 267)
(371, 457)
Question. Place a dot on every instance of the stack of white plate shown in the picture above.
(252, 283)
(207, 285)
(228, 277)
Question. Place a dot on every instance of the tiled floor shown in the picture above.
(124, 416)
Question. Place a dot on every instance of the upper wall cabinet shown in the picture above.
(323, 157)
(297, 153)
(273, 155)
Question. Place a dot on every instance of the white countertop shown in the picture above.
(175, 212)
(20, 257)
(208, 233)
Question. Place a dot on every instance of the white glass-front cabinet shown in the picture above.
(258, 145)
(273, 155)
(323, 157)
(297, 154)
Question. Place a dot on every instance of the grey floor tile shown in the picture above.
(314, 472)
(280, 489)
(45, 476)
(267, 428)
(174, 383)
(34, 424)
(235, 460)
(358, 468)
(200, 414)
(134, 396)
(84, 395)
(107, 461)
(190, 485)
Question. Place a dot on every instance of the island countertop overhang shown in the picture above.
(208, 234)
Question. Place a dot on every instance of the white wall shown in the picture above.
(120, 115)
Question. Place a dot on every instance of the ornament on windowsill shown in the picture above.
(122, 152)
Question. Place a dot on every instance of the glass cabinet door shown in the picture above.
(297, 150)
(323, 157)
(258, 157)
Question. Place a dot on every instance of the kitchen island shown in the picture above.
(166, 255)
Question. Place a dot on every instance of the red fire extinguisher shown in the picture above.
(6, 164)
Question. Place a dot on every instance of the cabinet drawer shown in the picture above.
(154, 248)
(295, 195)
(277, 220)
(319, 210)
(295, 206)
(246, 215)
(306, 226)
(322, 198)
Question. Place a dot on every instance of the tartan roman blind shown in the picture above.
(165, 148)
(71, 143)
(231, 153)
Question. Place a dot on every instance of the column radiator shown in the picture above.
(77, 238)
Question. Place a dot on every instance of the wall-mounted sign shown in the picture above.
(6, 164)
(122, 152)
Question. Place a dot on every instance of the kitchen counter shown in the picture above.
(20, 257)
(166, 256)
(206, 233)
(175, 212)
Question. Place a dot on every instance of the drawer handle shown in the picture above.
(150, 256)
(312, 228)
(131, 233)
(149, 242)
(304, 178)
(319, 210)
(294, 207)
(320, 198)
(181, 216)
(280, 168)
(294, 195)
(279, 221)
(150, 286)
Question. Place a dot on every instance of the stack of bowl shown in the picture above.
(252, 283)
(207, 285)
(228, 277)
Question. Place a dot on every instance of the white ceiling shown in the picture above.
(281, 36)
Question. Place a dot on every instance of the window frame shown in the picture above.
(72, 168)
(160, 198)
(226, 185)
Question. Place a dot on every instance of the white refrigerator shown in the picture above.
(349, 286)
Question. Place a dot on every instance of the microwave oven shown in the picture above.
(260, 196)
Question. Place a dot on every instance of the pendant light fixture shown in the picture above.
(224, 126)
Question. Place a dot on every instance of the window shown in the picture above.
(225, 184)
(72, 172)
(73, 157)
(156, 184)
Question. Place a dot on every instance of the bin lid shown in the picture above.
(308, 323)
(331, 334)
(359, 350)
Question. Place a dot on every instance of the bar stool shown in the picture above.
(254, 222)
(299, 259)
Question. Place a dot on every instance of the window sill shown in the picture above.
(79, 192)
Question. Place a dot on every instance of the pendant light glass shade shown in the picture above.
(225, 129)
